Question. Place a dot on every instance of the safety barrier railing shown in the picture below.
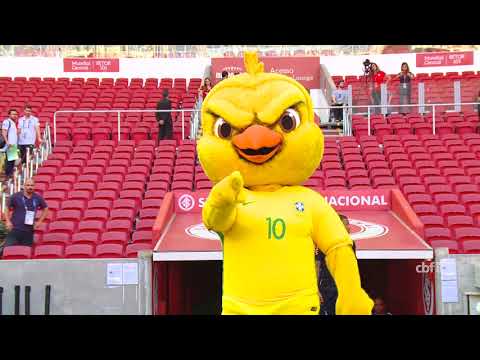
(348, 112)
(119, 112)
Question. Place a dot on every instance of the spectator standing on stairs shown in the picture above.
(164, 118)
(205, 88)
(28, 132)
(339, 99)
(377, 78)
(405, 90)
(10, 137)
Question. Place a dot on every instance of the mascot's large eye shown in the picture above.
(222, 129)
(290, 120)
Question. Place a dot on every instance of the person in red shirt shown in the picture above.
(205, 88)
(377, 78)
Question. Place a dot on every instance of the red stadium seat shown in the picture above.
(119, 225)
(153, 203)
(62, 227)
(158, 185)
(425, 209)
(55, 238)
(105, 195)
(109, 186)
(358, 182)
(471, 246)
(432, 221)
(122, 214)
(79, 251)
(444, 198)
(89, 238)
(145, 224)
(142, 236)
(457, 221)
(444, 243)
(452, 209)
(134, 185)
(109, 251)
(91, 226)
(419, 199)
(50, 251)
(124, 204)
(17, 252)
(467, 233)
(437, 233)
(113, 178)
(132, 249)
(383, 182)
(115, 237)
(90, 187)
(182, 185)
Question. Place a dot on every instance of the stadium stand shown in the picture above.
(104, 194)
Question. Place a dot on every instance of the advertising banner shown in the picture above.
(445, 59)
(306, 70)
(91, 65)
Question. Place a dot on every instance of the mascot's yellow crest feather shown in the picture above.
(252, 65)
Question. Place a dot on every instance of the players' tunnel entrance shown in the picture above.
(195, 287)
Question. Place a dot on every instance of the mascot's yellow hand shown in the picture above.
(358, 303)
(229, 190)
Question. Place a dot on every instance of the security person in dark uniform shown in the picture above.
(326, 284)
(164, 118)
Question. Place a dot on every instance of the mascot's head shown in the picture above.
(262, 125)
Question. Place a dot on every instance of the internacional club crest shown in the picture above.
(186, 202)
(299, 206)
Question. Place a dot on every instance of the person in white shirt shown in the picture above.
(28, 132)
(9, 133)
(339, 99)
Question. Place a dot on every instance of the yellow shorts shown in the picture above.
(298, 305)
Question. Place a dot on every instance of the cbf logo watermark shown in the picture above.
(186, 202)
(425, 268)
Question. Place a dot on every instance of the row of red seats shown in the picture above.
(149, 82)
(75, 251)
(438, 174)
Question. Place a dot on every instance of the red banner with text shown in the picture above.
(445, 59)
(306, 70)
(362, 199)
(91, 65)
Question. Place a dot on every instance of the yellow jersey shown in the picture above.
(269, 252)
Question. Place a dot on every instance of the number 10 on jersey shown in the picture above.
(276, 228)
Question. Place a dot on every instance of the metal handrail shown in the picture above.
(119, 111)
(346, 109)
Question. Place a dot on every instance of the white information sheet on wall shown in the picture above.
(114, 274)
(450, 291)
(448, 269)
(130, 273)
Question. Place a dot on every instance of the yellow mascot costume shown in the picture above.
(259, 144)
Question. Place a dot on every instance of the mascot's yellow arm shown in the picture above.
(333, 240)
(342, 265)
(219, 211)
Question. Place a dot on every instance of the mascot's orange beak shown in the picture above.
(257, 143)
